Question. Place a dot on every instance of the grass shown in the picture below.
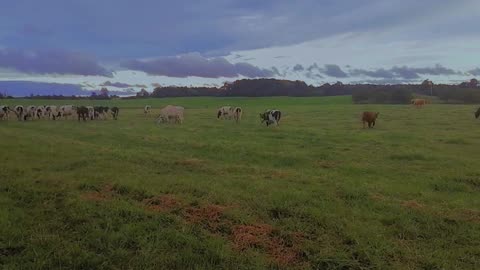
(317, 192)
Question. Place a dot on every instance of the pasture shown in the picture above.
(317, 192)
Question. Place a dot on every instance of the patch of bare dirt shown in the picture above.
(210, 216)
(164, 203)
(325, 164)
(412, 204)
(264, 237)
(102, 195)
(277, 174)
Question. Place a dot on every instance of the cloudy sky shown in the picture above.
(124, 44)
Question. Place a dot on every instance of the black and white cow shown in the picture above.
(271, 117)
(146, 109)
(4, 111)
(225, 112)
(40, 111)
(82, 113)
(52, 112)
(19, 110)
(30, 113)
(115, 111)
(100, 112)
(91, 112)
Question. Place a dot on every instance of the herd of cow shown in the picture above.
(57, 112)
(168, 114)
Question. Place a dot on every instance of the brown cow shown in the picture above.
(418, 102)
(370, 118)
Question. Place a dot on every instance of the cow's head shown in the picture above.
(263, 117)
(377, 114)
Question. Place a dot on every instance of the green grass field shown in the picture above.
(317, 192)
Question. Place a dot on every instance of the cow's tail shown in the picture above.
(219, 113)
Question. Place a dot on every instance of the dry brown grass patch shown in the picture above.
(103, 195)
(325, 164)
(412, 204)
(190, 162)
(162, 203)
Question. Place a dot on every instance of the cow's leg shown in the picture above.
(373, 123)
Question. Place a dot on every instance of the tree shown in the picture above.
(427, 85)
(143, 93)
(473, 83)
(104, 92)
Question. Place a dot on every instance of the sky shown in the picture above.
(127, 45)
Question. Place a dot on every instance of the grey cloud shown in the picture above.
(196, 65)
(404, 72)
(121, 85)
(298, 67)
(334, 71)
(475, 72)
(51, 62)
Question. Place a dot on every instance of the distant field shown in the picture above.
(316, 192)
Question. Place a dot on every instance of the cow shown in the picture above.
(30, 113)
(418, 102)
(225, 112)
(4, 112)
(67, 110)
(40, 111)
(271, 117)
(100, 111)
(370, 118)
(477, 113)
(237, 114)
(52, 112)
(115, 111)
(171, 113)
(82, 113)
(19, 110)
(91, 112)
(146, 109)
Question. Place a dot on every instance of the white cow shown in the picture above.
(146, 109)
(40, 111)
(171, 114)
(225, 112)
(68, 110)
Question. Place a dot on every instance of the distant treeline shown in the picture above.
(467, 92)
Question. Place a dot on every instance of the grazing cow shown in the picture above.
(146, 109)
(67, 110)
(225, 112)
(115, 111)
(100, 111)
(477, 113)
(237, 114)
(82, 112)
(418, 102)
(52, 112)
(171, 113)
(370, 118)
(271, 117)
(91, 112)
(4, 112)
(19, 111)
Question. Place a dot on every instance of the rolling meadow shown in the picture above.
(316, 192)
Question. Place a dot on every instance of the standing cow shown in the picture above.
(418, 102)
(91, 112)
(52, 112)
(147, 109)
(370, 118)
(237, 114)
(101, 112)
(225, 112)
(19, 110)
(271, 117)
(67, 110)
(82, 113)
(30, 113)
(4, 112)
(115, 111)
(171, 113)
